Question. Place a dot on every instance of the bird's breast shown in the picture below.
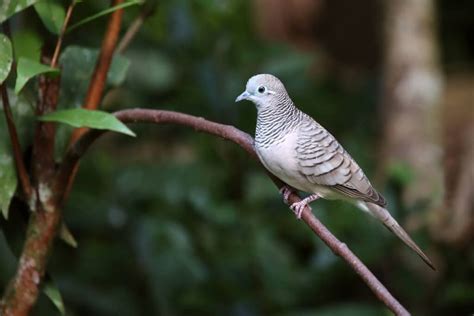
(280, 159)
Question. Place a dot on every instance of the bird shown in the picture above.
(306, 157)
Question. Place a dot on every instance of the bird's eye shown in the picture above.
(261, 89)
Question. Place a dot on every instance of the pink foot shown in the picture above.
(286, 191)
(298, 207)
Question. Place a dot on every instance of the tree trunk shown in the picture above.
(454, 221)
(412, 88)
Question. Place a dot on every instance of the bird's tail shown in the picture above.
(384, 216)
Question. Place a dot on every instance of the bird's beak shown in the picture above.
(244, 96)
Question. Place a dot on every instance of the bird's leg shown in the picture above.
(286, 190)
(298, 207)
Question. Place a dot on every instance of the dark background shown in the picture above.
(176, 222)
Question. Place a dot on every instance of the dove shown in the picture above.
(304, 155)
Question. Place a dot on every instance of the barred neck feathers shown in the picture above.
(275, 122)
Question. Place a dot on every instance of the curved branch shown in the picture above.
(245, 141)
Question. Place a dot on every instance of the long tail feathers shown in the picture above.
(384, 216)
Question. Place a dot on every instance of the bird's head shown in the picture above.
(264, 90)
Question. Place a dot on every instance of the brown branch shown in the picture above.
(245, 141)
(99, 77)
(17, 152)
(97, 83)
(54, 60)
(22, 292)
(43, 146)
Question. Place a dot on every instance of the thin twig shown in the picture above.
(133, 29)
(245, 141)
(54, 60)
(17, 152)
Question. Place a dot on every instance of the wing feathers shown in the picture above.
(323, 161)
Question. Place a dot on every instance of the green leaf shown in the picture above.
(52, 14)
(27, 69)
(5, 57)
(27, 43)
(77, 65)
(22, 116)
(8, 181)
(66, 236)
(10, 7)
(52, 292)
(102, 13)
(88, 118)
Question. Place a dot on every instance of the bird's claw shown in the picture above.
(286, 191)
(298, 208)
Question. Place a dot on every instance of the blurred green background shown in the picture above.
(176, 222)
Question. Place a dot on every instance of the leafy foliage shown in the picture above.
(53, 293)
(77, 65)
(28, 69)
(6, 57)
(52, 14)
(10, 7)
(8, 180)
(27, 44)
(103, 13)
(22, 115)
(88, 118)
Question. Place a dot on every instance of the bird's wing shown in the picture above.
(323, 161)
